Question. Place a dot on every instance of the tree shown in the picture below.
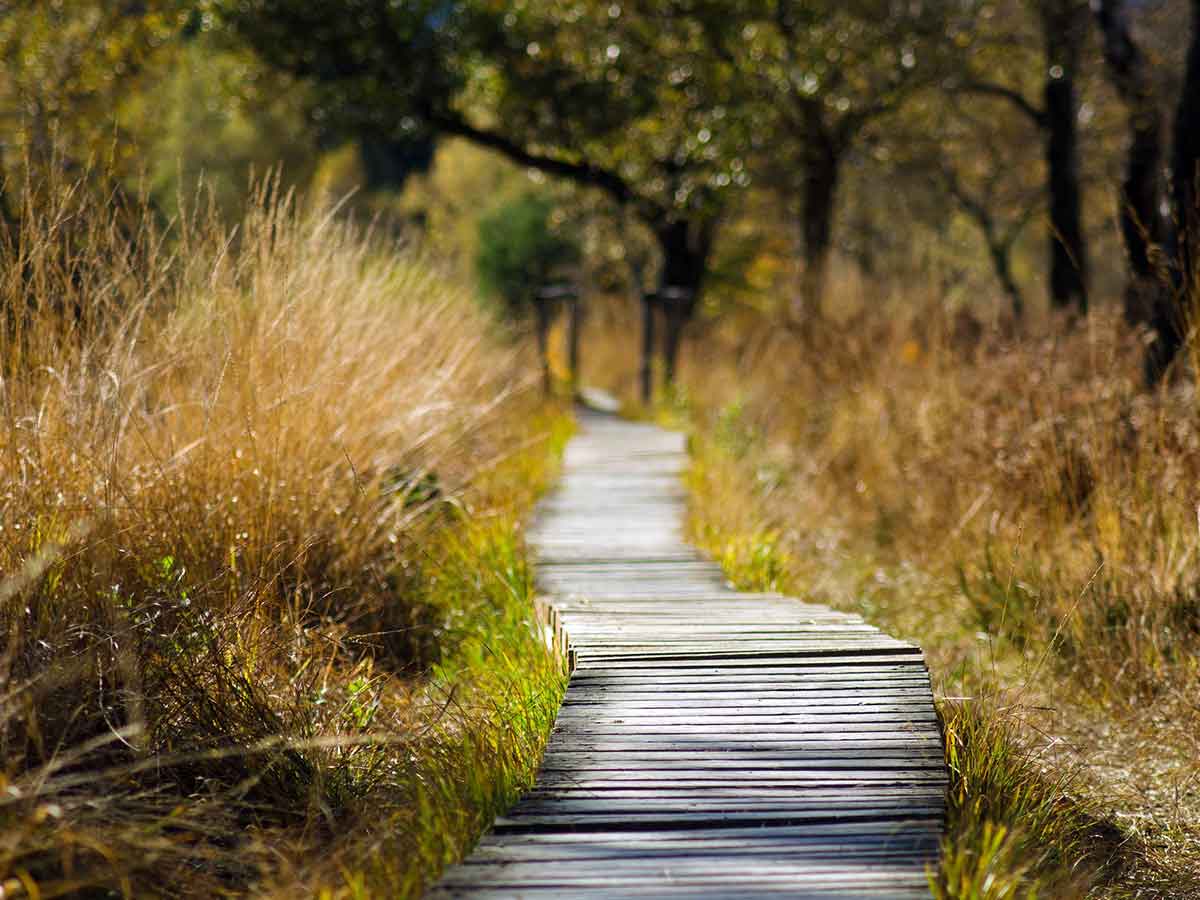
(615, 97)
(959, 156)
(1064, 29)
(69, 66)
(217, 115)
(999, 225)
(1143, 228)
(1171, 321)
(817, 76)
(1062, 32)
(1186, 165)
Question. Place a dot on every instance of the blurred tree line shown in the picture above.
(154, 96)
(700, 152)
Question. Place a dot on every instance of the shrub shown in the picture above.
(519, 251)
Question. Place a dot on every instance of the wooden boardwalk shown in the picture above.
(712, 743)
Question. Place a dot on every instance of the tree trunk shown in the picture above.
(674, 323)
(685, 246)
(999, 243)
(822, 160)
(1142, 225)
(820, 165)
(387, 162)
(1186, 165)
(645, 301)
(1171, 321)
(1001, 254)
(1064, 24)
(678, 306)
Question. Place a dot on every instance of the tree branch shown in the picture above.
(582, 172)
(1016, 98)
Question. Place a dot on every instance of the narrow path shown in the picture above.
(712, 743)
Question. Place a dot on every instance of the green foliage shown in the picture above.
(619, 97)
(220, 116)
(373, 64)
(519, 251)
(70, 68)
(494, 695)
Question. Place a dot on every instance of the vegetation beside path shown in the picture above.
(1014, 506)
(267, 608)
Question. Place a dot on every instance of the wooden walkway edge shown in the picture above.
(712, 743)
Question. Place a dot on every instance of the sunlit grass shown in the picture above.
(1016, 828)
(267, 613)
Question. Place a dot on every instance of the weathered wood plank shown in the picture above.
(777, 759)
(737, 836)
(791, 728)
(722, 888)
(900, 657)
(756, 695)
(811, 848)
(686, 702)
(868, 873)
(520, 821)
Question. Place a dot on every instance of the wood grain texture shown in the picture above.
(712, 743)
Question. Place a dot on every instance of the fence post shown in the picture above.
(676, 302)
(546, 301)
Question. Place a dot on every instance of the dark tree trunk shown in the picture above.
(822, 170)
(1001, 254)
(387, 162)
(1064, 25)
(677, 313)
(10, 222)
(1142, 225)
(1170, 323)
(645, 302)
(685, 245)
(1186, 164)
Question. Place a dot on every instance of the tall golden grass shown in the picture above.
(229, 460)
(1034, 469)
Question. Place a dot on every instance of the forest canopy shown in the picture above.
(677, 111)
(1016, 142)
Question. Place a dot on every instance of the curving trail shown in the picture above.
(712, 743)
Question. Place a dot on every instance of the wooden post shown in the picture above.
(541, 308)
(546, 301)
(676, 303)
(574, 337)
(648, 343)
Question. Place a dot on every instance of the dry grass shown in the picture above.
(261, 584)
(1021, 507)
